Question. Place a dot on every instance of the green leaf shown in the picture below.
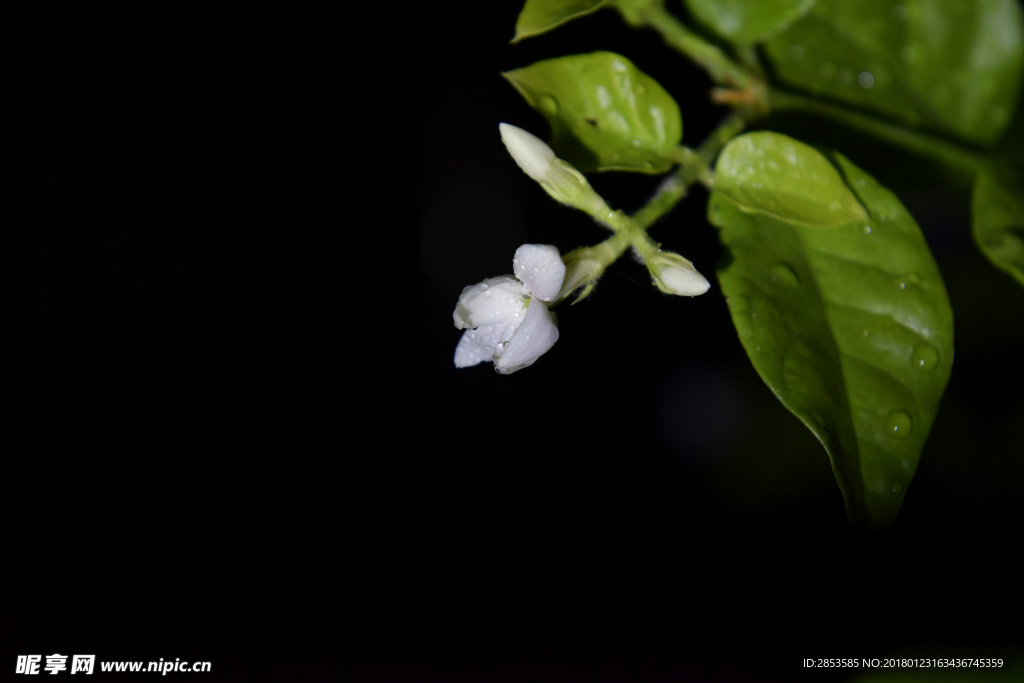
(748, 21)
(540, 16)
(776, 175)
(951, 65)
(851, 328)
(998, 216)
(605, 113)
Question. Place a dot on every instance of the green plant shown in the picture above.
(829, 281)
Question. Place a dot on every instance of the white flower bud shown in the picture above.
(529, 151)
(558, 178)
(675, 275)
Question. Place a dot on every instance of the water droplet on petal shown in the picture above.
(925, 357)
(898, 424)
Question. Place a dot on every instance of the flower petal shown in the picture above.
(477, 346)
(541, 269)
(495, 300)
(533, 338)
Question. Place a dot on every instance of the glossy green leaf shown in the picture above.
(774, 174)
(540, 16)
(850, 327)
(605, 113)
(951, 65)
(748, 21)
(998, 216)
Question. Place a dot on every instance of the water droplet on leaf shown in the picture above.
(783, 274)
(925, 357)
(898, 424)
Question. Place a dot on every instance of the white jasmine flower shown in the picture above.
(506, 318)
(558, 178)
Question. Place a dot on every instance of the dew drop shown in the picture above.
(898, 424)
(865, 79)
(867, 333)
(897, 487)
(867, 229)
(549, 104)
(901, 284)
(924, 357)
(782, 274)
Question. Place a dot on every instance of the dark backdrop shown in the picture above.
(234, 242)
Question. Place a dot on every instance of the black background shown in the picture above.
(234, 239)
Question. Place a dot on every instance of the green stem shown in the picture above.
(722, 69)
(694, 165)
(926, 145)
